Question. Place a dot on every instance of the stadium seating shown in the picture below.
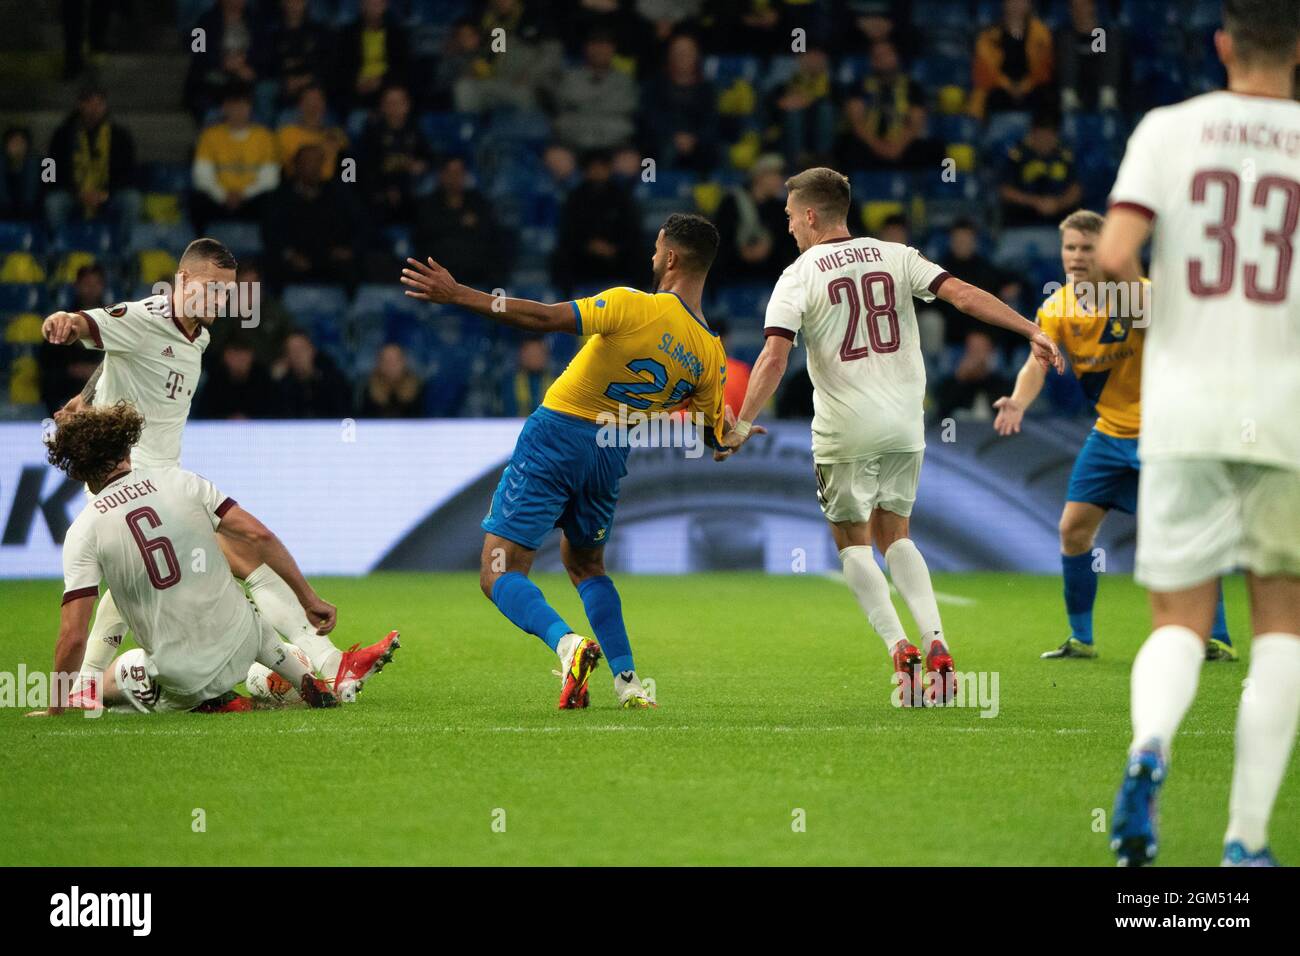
(450, 132)
(243, 238)
(1019, 246)
(21, 297)
(94, 238)
(19, 237)
(1168, 53)
(19, 268)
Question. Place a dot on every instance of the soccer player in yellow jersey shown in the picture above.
(646, 353)
(1105, 353)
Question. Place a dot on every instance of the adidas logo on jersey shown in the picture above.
(168, 353)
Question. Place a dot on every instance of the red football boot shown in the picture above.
(573, 684)
(940, 677)
(227, 703)
(359, 664)
(316, 692)
(907, 664)
(86, 696)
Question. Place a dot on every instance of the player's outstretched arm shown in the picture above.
(1011, 408)
(991, 310)
(65, 328)
(241, 526)
(769, 368)
(430, 282)
(74, 629)
(1122, 237)
(85, 398)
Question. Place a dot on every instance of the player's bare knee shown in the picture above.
(1192, 609)
(583, 566)
(1076, 537)
(1274, 604)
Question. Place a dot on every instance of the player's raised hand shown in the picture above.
(1046, 352)
(1010, 415)
(321, 613)
(60, 328)
(73, 405)
(428, 281)
(732, 439)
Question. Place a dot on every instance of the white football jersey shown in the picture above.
(150, 535)
(852, 300)
(1220, 176)
(150, 361)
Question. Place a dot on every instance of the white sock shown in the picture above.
(105, 638)
(282, 611)
(1163, 685)
(274, 654)
(1266, 727)
(868, 584)
(623, 687)
(912, 578)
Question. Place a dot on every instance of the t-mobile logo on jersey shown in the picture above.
(174, 382)
(103, 909)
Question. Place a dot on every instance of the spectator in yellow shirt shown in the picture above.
(373, 52)
(1014, 62)
(310, 130)
(235, 165)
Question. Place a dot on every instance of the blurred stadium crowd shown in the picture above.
(537, 146)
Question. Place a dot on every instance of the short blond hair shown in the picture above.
(824, 190)
(1085, 220)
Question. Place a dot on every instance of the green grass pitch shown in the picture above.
(774, 698)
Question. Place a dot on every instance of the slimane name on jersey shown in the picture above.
(843, 257)
(681, 355)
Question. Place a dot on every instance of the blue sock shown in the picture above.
(521, 600)
(1220, 630)
(605, 612)
(1080, 593)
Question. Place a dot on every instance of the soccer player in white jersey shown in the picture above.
(153, 351)
(851, 298)
(140, 531)
(1215, 181)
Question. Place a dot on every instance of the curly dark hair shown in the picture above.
(694, 237)
(90, 443)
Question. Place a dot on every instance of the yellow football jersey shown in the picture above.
(646, 353)
(1106, 355)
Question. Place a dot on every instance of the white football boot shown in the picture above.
(631, 695)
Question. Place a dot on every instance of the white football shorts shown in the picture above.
(1200, 518)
